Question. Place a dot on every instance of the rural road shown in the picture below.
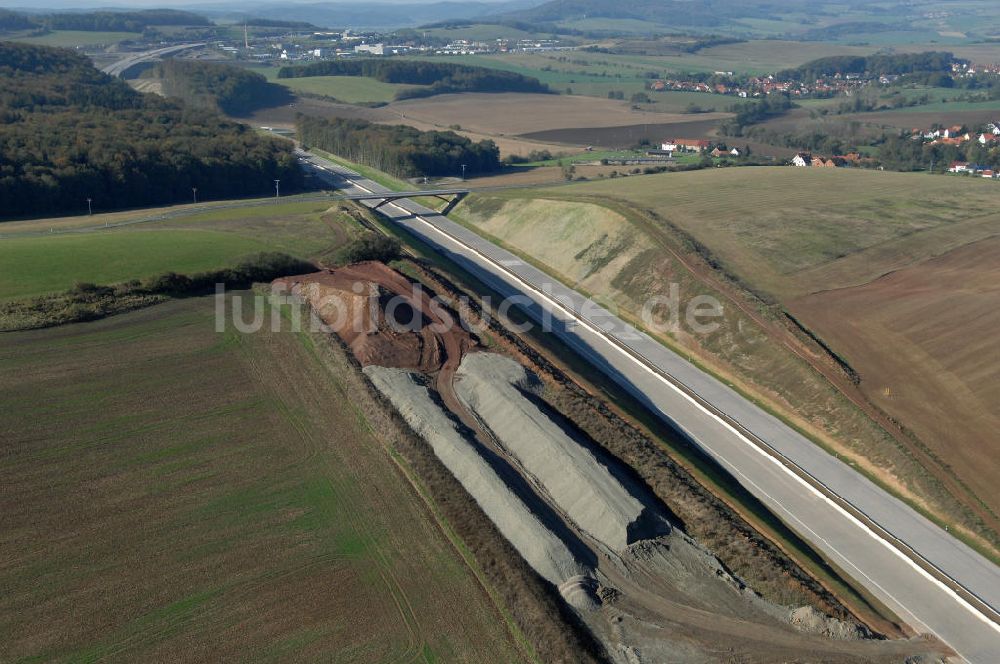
(935, 583)
(121, 66)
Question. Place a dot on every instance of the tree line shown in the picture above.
(218, 87)
(754, 112)
(69, 133)
(440, 77)
(397, 149)
(874, 65)
(101, 21)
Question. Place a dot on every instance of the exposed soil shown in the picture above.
(940, 318)
(662, 598)
(386, 320)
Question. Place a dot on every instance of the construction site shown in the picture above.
(583, 520)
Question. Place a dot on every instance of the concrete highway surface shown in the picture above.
(121, 66)
(934, 582)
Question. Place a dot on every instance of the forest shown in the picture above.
(874, 65)
(69, 133)
(101, 21)
(441, 77)
(399, 150)
(218, 87)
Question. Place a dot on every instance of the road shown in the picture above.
(934, 582)
(121, 66)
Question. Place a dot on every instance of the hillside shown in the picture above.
(218, 87)
(101, 21)
(434, 78)
(690, 13)
(71, 133)
(766, 241)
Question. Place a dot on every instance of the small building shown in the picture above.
(370, 49)
(802, 160)
(959, 167)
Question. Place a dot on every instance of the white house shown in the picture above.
(802, 160)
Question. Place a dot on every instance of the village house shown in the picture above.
(822, 162)
(685, 145)
(802, 160)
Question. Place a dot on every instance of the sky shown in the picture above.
(168, 4)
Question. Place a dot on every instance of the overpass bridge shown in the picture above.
(452, 196)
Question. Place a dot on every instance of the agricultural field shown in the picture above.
(506, 115)
(596, 74)
(768, 240)
(785, 230)
(348, 89)
(74, 38)
(940, 378)
(191, 241)
(175, 491)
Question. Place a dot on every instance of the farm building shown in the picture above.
(686, 145)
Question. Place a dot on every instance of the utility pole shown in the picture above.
(90, 209)
(463, 172)
(277, 191)
(194, 194)
(246, 37)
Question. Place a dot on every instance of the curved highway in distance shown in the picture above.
(934, 582)
(121, 66)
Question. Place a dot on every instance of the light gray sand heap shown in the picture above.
(538, 545)
(495, 389)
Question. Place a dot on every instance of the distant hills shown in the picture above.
(97, 21)
(680, 13)
(361, 15)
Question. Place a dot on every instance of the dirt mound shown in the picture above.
(384, 318)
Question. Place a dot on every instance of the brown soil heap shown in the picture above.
(384, 318)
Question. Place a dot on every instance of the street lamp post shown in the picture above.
(463, 172)
(194, 194)
(277, 191)
(90, 208)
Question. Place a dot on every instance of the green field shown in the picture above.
(36, 265)
(596, 74)
(348, 89)
(70, 38)
(174, 492)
